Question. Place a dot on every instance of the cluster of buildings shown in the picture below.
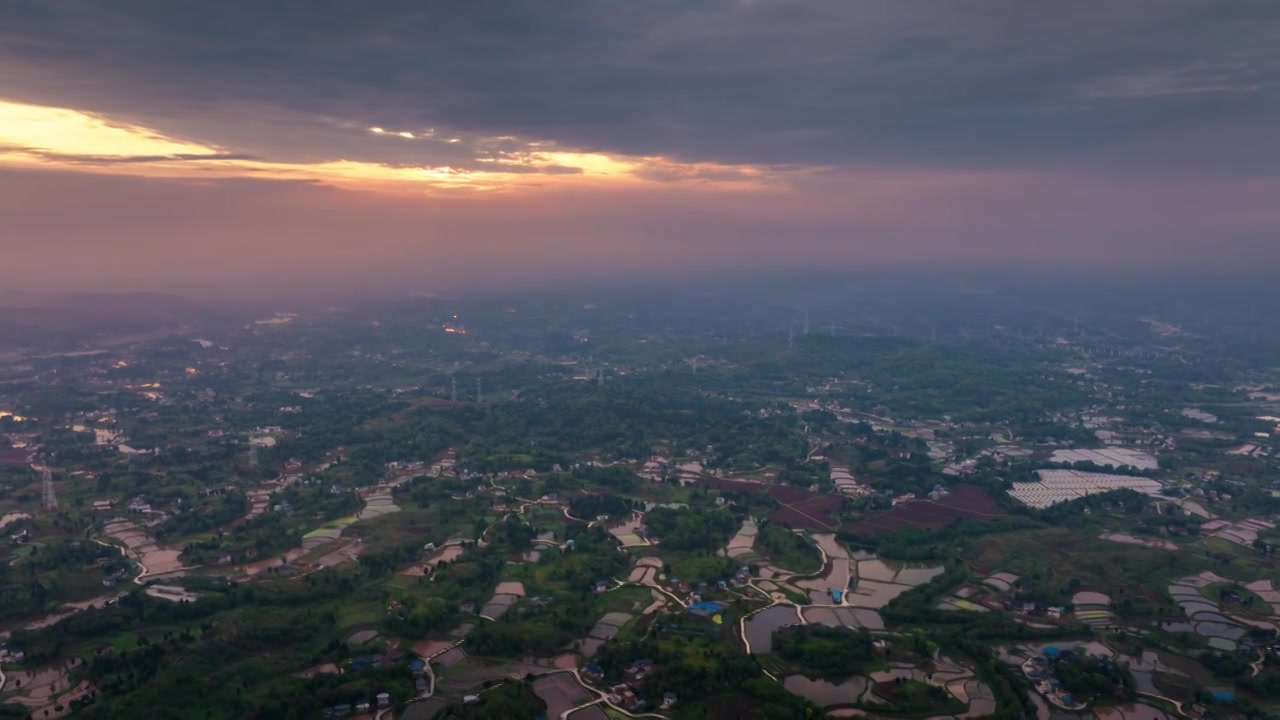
(367, 662)
(420, 682)
(1053, 612)
(115, 576)
(661, 469)
(1039, 669)
(361, 706)
(9, 655)
(627, 694)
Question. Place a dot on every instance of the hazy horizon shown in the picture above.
(261, 149)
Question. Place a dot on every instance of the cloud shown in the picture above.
(812, 82)
(565, 136)
(71, 159)
(53, 137)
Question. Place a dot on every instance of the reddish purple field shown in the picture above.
(964, 502)
(790, 494)
(816, 512)
(15, 456)
(734, 485)
(800, 509)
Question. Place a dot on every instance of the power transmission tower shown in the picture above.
(453, 389)
(50, 498)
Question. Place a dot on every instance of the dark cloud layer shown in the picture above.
(808, 82)
(106, 160)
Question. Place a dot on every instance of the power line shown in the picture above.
(50, 497)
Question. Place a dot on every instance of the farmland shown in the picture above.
(651, 528)
(964, 502)
(799, 508)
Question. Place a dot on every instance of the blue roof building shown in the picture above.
(706, 607)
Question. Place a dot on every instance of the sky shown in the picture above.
(267, 145)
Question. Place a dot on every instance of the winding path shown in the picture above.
(431, 676)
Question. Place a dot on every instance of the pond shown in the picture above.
(761, 626)
(844, 617)
(825, 692)
(836, 578)
(894, 572)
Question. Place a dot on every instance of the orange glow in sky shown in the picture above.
(53, 137)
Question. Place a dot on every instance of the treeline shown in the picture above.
(917, 544)
(709, 678)
(916, 378)
(21, 592)
(137, 609)
(525, 631)
(172, 679)
(626, 418)
(691, 529)
(832, 652)
(889, 461)
(550, 425)
(264, 536)
(334, 418)
(1086, 676)
(470, 579)
(223, 510)
(594, 557)
(588, 507)
(59, 555)
(790, 550)
(1072, 512)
